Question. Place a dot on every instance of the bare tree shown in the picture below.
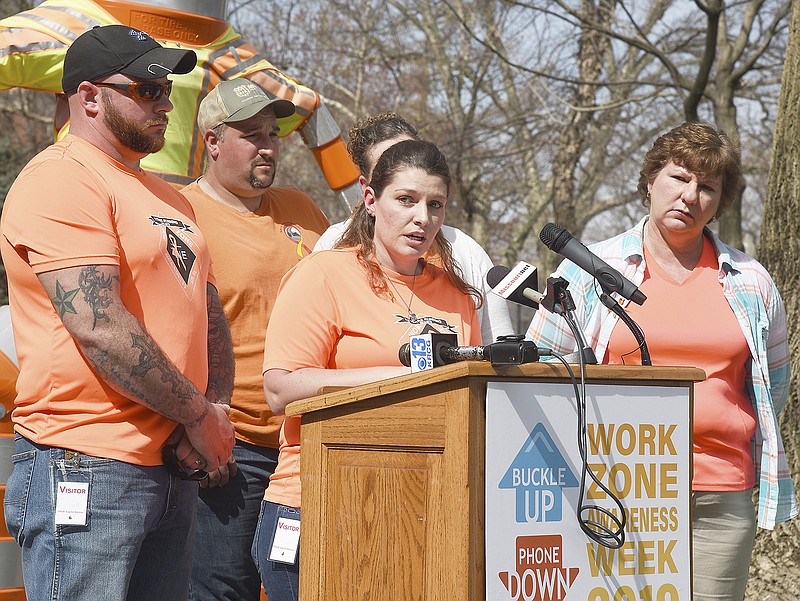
(545, 108)
(707, 67)
(776, 563)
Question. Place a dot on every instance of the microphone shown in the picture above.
(453, 354)
(517, 285)
(427, 351)
(559, 240)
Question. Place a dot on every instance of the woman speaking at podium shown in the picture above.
(709, 306)
(341, 315)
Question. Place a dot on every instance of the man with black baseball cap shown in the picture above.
(126, 365)
(256, 233)
(111, 49)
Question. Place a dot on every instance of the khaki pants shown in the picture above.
(723, 530)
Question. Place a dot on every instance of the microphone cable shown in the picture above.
(634, 327)
(611, 535)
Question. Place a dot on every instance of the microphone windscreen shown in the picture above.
(496, 274)
(404, 354)
(514, 284)
(554, 237)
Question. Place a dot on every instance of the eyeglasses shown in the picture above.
(143, 91)
(174, 467)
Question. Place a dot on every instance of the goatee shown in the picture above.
(258, 183)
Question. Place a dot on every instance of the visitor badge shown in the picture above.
(72, 500)
(285, 541)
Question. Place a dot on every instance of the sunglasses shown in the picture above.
(143, 91)
(174, 467)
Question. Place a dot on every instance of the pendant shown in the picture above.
(412, 317)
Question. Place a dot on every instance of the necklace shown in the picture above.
(412, 317)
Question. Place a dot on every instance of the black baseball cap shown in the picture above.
(111, 49)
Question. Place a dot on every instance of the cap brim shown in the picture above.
(281, 108)
(160, 62)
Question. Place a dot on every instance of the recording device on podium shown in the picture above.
(426, 351)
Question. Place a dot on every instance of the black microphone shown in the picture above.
(508, 350)
(517, 285)
(434, 349)
(425, 350)
(559, 240)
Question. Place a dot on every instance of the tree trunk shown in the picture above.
(775, 570)
(730, 224)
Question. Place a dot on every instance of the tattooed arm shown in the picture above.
(220, 351)
(220, 375)
(127, 358)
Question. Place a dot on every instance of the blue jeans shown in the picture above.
(138, 538)
(223, 568)
(280, 580)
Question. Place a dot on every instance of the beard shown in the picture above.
(254, 180)
(132, 135)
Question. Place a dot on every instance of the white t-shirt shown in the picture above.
(474, 264)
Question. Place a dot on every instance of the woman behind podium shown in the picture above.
(709, 306)
(341, 316)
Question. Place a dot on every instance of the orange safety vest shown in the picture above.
(33, 44)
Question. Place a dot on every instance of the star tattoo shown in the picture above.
(63, 300)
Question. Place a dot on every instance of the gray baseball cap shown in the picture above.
(236, 100)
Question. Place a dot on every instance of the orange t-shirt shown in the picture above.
(328, 316)
(71, 206)
(692, 324)
(8, 379)
(251, 252)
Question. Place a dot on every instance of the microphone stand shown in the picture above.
(558, 300)
(637, 332)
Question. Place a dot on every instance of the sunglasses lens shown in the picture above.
(149, 91)
(153, 91)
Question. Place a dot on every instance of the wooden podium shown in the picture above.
(393, 480)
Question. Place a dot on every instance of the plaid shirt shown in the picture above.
(758, 308)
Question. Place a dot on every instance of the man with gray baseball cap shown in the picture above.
(236, 100)
(256, 233)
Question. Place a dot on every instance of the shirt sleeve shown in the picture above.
(60, 226)
(475, 263)
(303, 328)
(777, 351)
(331, 236)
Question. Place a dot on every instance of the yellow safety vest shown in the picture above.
(33, 44)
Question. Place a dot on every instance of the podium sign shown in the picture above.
(638, 445)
